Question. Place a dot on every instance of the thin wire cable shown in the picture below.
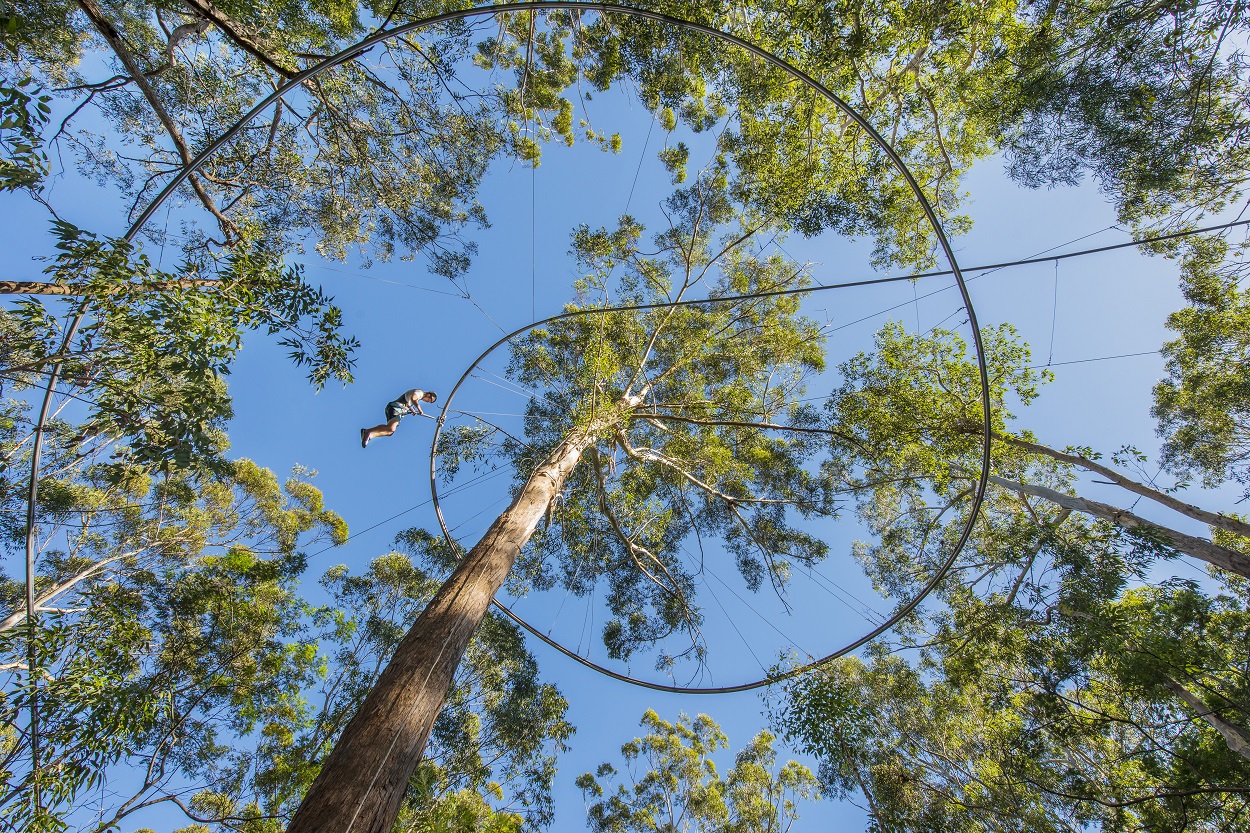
(989, 268)
(516, 388)
(1054, 316)
(475, 481)
(916, 300)
(733, 624)
(864, 608)
(487, 314)
(358, 274)
(1097, 359)
(638, 170)
(1061, 245)
(750, 607)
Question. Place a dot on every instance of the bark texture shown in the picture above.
(362, 783)
(1200, 548)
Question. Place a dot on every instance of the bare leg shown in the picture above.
(386, 430)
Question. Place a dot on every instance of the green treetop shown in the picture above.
(674, 786)
(179, 666)
(678, 424)
(1045, 690)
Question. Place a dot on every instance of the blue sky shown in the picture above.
(413, 334)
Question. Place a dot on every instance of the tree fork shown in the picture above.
(114, 39)
(361, 785)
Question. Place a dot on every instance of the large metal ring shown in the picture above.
(360, 48)
(978, 497)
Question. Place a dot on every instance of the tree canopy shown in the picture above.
(675, 787)
(180, 664)
(1054, 683)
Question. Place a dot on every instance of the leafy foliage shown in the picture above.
(695, 399)
(1009, 720)
(1203, 406)
(23, 111)
(153, 362)
(168, 624)
(674, 785)
(1046, 689)
(179, 665)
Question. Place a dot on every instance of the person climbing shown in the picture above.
(408, 403)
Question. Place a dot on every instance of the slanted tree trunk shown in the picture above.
(1234, 737)
(1200, 548)
(1215, 519)
(362, 782)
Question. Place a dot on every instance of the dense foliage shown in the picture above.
(180, 666)
(1055, 683)
(1060, 680)
(674, 785)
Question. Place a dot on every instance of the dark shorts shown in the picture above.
(396, 410)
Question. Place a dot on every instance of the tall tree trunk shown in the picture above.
(1236, 738)
(362, 782)
(1234, 525)
(1200, 548)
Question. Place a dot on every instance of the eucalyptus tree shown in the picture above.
(1150, 101)
(386, 152)
(168, 621)
(180, 665)
(675, 420)
(151, 349)
(904, 419)
(673, 784)
(1047, 690)
(383, 153)
(1203, 404)
(491, 761)
(1124, 714)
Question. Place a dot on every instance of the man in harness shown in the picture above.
(407, 403)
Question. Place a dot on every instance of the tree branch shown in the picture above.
(234, 32)
(1233, 525)
(114, 39)
(1199, 548)
(1234, 736)
(47, 288)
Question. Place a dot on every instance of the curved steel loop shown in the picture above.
(930, 214)
(360, 48)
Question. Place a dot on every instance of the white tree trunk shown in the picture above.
(1222, 557)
